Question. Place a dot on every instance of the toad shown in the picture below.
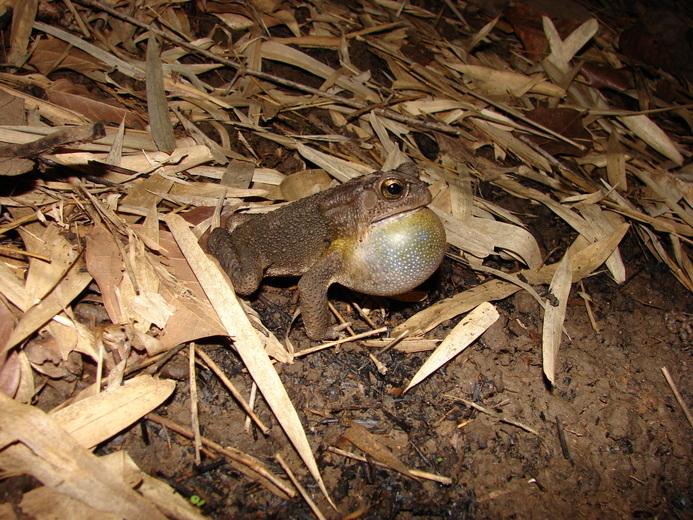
(373, 234)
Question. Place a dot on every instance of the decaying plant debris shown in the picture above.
(128, 127)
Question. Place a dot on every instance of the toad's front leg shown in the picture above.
(312, 289)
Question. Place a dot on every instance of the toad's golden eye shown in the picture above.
(392, 188)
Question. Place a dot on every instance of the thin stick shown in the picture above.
(195, 418)
(414, 472)
(495, 415)
(246, 464)
(236, 394)
(677, 394)
(300, 488)
(13, 251)
(340, 341)
(251, 404)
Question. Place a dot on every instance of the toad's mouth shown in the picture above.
(397, 213)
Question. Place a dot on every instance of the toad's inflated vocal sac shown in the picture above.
(372, 234)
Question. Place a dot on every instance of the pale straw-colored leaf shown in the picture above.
(562, 51)
(278, 52)
(465, 332)
(650, 132)
(603, 224)
(497, 82)
(508, 141)
(482, 237)
(339, 168)
(41, 448)
(74, 282)
(584, 263)
(554, 315)
(246, 340)
(97, 418)
(616, 164)
(482, 33)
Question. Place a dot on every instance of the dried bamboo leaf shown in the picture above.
(284, 54)
(371, 445)
(12, 288)
(482, 33)
(653, 135)
(513, 144)
(497, 82)
(50, 241)
(74, 282)
(235, 22)
(44, 450)
(603, 225)
(666, 187)
(659, 251)
(115, 154)
(135, 71)
(247, 342)
(562, 51)
(470, 235)
(99, 417)
(339, 168)
(157, 105)
(465, 332)
(554, 316)
(105, 264)
(43, 503)
(53, 113)
(616, 164)
(22, 19)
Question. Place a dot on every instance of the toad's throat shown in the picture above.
(398, 213)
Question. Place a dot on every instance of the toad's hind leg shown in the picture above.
(312, 290)
(245, 272)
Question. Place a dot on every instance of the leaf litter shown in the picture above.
(130, 132)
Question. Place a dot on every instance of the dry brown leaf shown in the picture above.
(157, 105)
(105, 264)
(66, 94)
(74, 282)
(370, 445)
(52, 54)
(22, 21)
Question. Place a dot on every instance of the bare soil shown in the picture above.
(627, 446)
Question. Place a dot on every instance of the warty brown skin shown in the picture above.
(372, 234)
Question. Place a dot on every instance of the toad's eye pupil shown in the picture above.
(394, 188)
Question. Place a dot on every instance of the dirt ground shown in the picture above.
(626, 450)
(608, 440)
